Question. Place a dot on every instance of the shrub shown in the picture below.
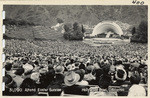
(133, 30)
(74, 32)
(141, 34)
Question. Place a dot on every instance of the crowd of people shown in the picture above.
(71, 67)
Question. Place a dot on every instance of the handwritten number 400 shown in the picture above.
(138, 2)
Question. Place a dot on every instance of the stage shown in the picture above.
(105, 41)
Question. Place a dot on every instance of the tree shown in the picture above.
(83, 29)
(66, 28)
(143, 28)
(141, 34)
(143, 31)
(75, 26)
(66, 35)
(133, 30)
(74, 32)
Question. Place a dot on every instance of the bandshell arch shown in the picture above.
(104, 26)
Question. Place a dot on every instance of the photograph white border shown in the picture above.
(66, 2)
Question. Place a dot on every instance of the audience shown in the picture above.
(74, 65)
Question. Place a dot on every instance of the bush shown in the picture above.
(133, 30)
(66, 28)
(74, 32)
(141, 33)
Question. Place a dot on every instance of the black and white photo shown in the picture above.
(76, 50)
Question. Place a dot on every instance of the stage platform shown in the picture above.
(105, 41)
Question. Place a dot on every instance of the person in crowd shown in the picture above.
(82, 82)
(59, 76)
(18, 77)
(74, 83)
(136, 89)
(71, 78)
(82, 66)
(9, 84)
(104, 83)
(28, 83)
(89, 73)
(120, 75)
(27, 70)
(50, 75)
(56, 81)
(8, 69)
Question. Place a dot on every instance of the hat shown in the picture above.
(77, 64)
(96, 66)
(71, 78)
(71, 67)
(59, 69)
(104, 81)
(135, 64)
(27, 67)
(43, 70)
(118, 62)
(83, 60)
(19, 71)
(144, 62)
(120, 74)
(90, 68)
(135, 78)
(106, 69)
(81, 72)
(10, 61)
(137, 90)
(7, 79)
(9, 83)
(24, 60)
(112, 68)
(35, 76)
(8, 66)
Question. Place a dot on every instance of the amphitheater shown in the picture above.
(106, 32)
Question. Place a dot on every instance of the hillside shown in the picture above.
(45, 16)
(85, 14)
(32, 32)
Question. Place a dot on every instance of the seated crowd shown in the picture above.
(65, 74)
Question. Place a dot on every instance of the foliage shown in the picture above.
(141, 34)
(133, 30)
(74, 32)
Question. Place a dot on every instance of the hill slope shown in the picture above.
(85, 14)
